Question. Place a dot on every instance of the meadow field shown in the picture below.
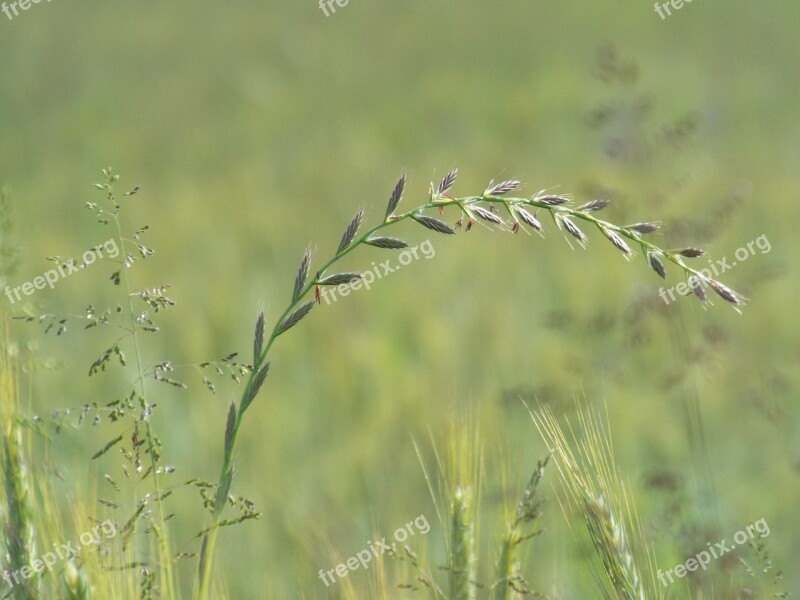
(432, 402)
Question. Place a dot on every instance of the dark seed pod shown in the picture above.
(574, 230)
(642, 227)
(697, 288)
(350, 232)
(229, 427)
(690, 252)
(447, 182)
(302, 275)
(296, 317)
(725, 292)
(434, 224)
(657, 265)
(619, 242)
(551, 200)
(386, 242)
(258, 381)
(502, 188)
(396, 196)
(528, 218)
(258, 339)
(340, 278)
(594, 205)
(486, 215)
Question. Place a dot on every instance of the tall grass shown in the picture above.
(140, 447)
(18, 513)
(457, 488)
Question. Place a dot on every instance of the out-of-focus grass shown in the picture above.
(258, 128)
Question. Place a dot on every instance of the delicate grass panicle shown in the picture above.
(137, 489)
(593, 487)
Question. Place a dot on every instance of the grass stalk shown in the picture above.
(165, 555)
(472, 209)
(18, 514)
(463, 561)
(509, 583)
(20, 539)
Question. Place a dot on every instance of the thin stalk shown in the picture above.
(166, 556)
(472, 207)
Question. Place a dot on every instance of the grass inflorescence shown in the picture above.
(137, 489)
(495, 207)
(509, 582)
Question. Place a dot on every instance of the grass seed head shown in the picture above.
(387, 243)
(447, 182)
(501, 188)
(397, 195)
(594, 205)
(642, 227)
(690, 252)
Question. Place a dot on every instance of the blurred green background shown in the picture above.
(255, 129)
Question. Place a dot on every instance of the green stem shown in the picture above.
(209, 540)
(165, 558)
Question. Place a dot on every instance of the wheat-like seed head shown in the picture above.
(463, 562)
(593, 487)
(609, 539)
(509, 582)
